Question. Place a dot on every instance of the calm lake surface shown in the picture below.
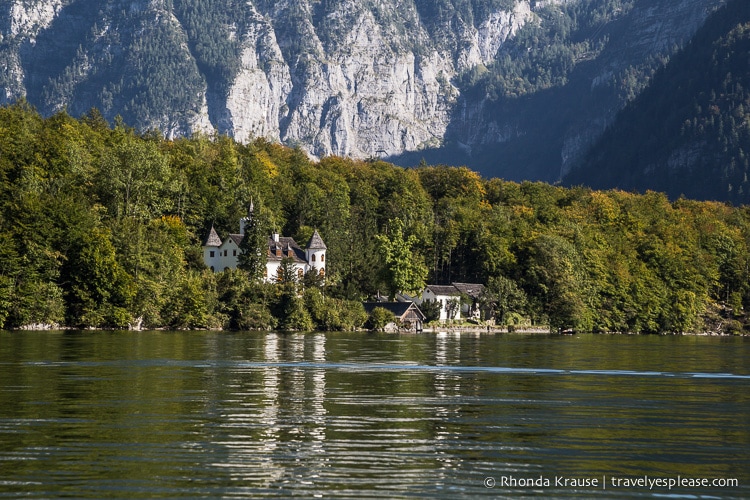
(202, 414)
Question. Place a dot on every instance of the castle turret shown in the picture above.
(211, 249)
(316, 253)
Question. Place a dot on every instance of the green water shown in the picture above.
(204, 414)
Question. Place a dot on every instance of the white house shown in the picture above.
(445, 295)
(473, 291)
(221, 255)
(449, 297)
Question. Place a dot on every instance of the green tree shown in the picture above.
(453, 308)
(254, 244)
(287, 275)
(333, 314)
(405, 271)
(313, 279)
(555, 275)
(244, 302)
(380, 317)
(503, 296)
(291, 312)
(135, 180)
(431, 310)
(193, 302)
(101, 293)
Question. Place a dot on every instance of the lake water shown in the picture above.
(203, 414)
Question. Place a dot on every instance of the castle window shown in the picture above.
(300, 273)
(322, 272)
(234, 253)
(313, 258)
(211, 253)
(323, 258)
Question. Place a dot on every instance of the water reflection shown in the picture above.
(269, 414)
(447, 385)
(207, 414)
(275, 414)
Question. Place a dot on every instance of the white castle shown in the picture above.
(223, 255)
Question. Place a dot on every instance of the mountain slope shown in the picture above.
(689, 132)
(351, 78)
(471, 81)
(557, 85)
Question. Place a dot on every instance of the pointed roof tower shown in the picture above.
(316, 242)
(247, 218)
(212, 240)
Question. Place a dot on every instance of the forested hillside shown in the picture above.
(512, 88)
(102, 226)
(689, 132)
(554, 87)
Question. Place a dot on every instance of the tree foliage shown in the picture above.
(102, 227)
(254, 244)
(403, 270)
(380, 318)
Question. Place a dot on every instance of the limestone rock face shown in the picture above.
(257, 97)
(366, 78)
(370, 90)
(20, 22)
(28, 18)
(355, 78)
(485, 40)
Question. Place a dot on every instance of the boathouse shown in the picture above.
(408, 315)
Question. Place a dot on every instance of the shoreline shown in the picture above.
(544, 331)
(433, 329)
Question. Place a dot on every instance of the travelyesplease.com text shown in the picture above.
(613, 482)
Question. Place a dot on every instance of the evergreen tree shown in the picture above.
(254, 244)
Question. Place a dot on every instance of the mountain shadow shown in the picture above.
(689, 132)
(542, 134)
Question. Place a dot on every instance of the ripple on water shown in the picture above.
(272, 415)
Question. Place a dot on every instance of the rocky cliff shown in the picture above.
(366, 78)
(540, 132)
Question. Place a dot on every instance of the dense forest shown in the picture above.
(689, 132)
(101, 226)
